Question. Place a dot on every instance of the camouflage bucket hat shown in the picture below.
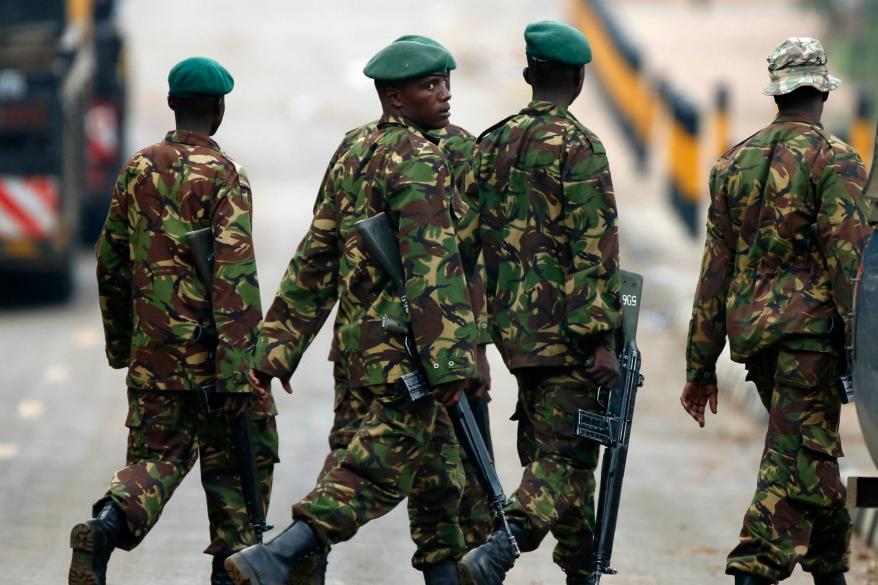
(798, 62)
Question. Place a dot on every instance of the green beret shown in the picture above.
(405, 60)
(452, 64)
(554, 41)
(197, 76)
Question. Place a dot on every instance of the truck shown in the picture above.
(61, 116)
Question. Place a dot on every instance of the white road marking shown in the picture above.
(31, 409)
(56, 374)
(8, 450)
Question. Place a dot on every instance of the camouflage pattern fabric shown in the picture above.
(399, 170)
(476, 517)
(167, 432)
(350, 403)
(556, 493)
(351, 407)
(798, 514)
(548, 227)
(549, 234)
(395, 453)
(799, 62)
(457, 145)
(151, 299)
(785, 232)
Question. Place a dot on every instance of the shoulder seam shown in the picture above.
(494, 127)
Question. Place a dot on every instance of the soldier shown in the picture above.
(155, 310)
(785, 231)
(351, 406)
(548, 229)
(400, 170)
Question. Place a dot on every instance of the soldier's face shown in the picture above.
(425, 101)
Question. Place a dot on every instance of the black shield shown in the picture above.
(865, 353)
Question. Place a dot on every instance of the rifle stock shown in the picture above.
(382, 245)
(200, 244)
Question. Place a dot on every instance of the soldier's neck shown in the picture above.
(804, 114)
(194, 125)
(560, 98)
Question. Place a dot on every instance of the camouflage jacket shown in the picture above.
(151, 299)
(549, 235)
(457, 146)
(785, 231)
(399, 170)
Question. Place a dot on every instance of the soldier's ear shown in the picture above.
(526, 74)
(393, 96)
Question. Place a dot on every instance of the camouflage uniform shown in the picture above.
(785, 232)
(351, 406)
(396, 446)
(548, 231)
(152, 302)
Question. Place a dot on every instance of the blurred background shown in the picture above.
(673, 84)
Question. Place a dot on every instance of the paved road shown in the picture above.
(299, 88)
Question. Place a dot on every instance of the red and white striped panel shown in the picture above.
(28, 206)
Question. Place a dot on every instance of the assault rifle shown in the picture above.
(382, 245)
(612, 427)
(200, 244)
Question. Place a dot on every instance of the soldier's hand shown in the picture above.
(483, 372)
(236, 403)
(696, 396)
(259, 380)
(605, 371)
(449, 393)
(262, 382)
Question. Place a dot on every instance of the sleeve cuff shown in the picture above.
(449, 369)
(117, 363)
(702, 376)
(484, 336)
(118, 357)
(236, 386)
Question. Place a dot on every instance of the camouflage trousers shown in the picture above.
(556, 493)
(798, 513)
(351, 407)
(167, 433)
(385, 449)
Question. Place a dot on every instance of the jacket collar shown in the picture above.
(395, 120)
(192, 139)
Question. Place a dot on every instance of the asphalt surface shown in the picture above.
(298, 89)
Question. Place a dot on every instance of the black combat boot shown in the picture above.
(218, 573)
(311, 571)
(831, 579)
(589, 580)
(444, 573)
(489, 563)
(92, 542)
(271, 563)
(748, 579)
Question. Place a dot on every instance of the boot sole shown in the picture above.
(83, 545)
(241, 574)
